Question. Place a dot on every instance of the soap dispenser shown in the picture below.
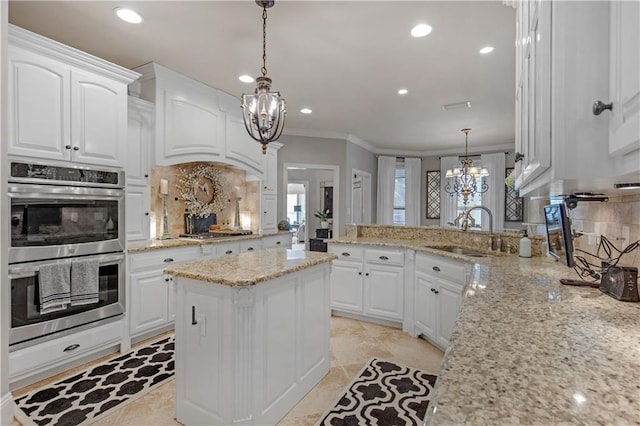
(525, 246)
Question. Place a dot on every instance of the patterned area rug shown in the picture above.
(83, 398)
(384, 393)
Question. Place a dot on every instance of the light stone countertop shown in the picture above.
(528, 350)
(184, 242)
(251, 268)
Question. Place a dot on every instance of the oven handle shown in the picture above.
(30, 269)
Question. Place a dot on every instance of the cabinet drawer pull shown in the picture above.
(67, 147)
(599, 107)
(228, 252)
(193, 316)
(166, 279)
(168, 260)
(71, 347)
(366, 275)
(146, 214)
(146, 176)
(249, 248)
(433, 290)
(435, 268)
(436, 291)
(75, 148)
(383, 258)
(345, 254)
(359, 273)
(278, 243)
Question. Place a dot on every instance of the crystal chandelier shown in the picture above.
(263, 111)
(463, 181)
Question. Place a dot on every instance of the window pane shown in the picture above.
(398, 217)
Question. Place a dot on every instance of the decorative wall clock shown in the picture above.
(202, 189)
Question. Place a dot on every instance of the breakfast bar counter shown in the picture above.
(252, 335)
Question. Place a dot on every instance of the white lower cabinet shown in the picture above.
(368, 281)
(438, 287)
(247, 355)
(279, 240)
(151, 300)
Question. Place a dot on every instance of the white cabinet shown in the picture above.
(240, 146)
(565, 147)
(279, 240)
(368, 281)
(64, 104)
(269, 193)
(438, 287)
(249, 245)
(189, 126)
(624, 66)
(139, 143)
(248, 354)
(151, 293)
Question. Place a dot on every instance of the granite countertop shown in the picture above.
(251, 268)
(528, 350)
(185, 242)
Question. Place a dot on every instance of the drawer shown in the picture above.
(349, 252)
(438, 266)
(162, 258)
(249, 245)
(37, 358)
(385, 257)
(281, 240)
(226, 249)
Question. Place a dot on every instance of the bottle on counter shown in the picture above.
(525, 246)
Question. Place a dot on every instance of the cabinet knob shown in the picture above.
(384, 258)
(519, 157)
(166, 279)
(67, 147)
(146, 214)
(228, 252)
(359, 273)
(146, 176)
(265, 187)
(435, 268)
(599, 107)
(249, 248)
(366, 275)
(433, 290)
(436, 291)
(345, 254)
(168, 260)
(278, 242)
(75, 148)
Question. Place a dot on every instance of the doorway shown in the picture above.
(322, 193)
(297, 212)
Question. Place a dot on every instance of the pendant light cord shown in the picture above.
(264, 40)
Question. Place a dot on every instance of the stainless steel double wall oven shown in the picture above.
(63, 213)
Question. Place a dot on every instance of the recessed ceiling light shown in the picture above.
(403, 92)
(421, 30)
(306, 110)
(246, 78)
(128, 15)
(485, 50)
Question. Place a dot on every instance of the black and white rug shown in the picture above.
(83, 398)
(384, 393)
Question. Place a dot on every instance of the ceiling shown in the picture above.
(344, 60)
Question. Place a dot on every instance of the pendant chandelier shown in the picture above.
(263, 111)
(463, 181)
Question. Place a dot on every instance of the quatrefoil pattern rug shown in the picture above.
(83, 398)
(384, 393)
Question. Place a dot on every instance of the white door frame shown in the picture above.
(336, 189)
(305, 218)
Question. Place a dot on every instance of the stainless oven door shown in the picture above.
(52, 222)
(28, 324)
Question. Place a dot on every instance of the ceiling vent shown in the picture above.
(457, 105)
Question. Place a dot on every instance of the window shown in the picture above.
(399, 203)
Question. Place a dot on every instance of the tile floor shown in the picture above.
(353, 344)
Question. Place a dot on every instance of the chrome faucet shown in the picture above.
(466, 220)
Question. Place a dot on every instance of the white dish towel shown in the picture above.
(85, 282)
(55, 284)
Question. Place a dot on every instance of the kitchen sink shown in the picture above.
(461, 250)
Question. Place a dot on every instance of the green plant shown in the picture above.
(324, 216)
(284, 225)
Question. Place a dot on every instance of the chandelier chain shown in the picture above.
(264, 40)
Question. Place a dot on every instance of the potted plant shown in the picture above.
(324, 217)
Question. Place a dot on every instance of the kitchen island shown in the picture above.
(252, 335)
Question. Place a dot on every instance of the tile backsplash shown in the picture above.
(618, 220)
(234, 181)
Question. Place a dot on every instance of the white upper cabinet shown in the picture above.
(65, 104)
(624, 126)
(563, 66)
(189, 123)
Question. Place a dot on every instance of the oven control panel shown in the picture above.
(73, 175)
